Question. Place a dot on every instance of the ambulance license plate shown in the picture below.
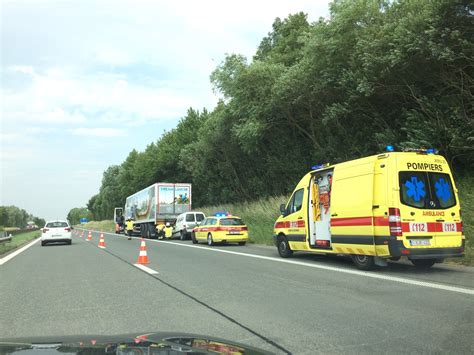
(419, 242)
(234, 232)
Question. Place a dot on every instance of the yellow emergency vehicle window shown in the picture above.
(232, 222)
(426, 190)
(443, 189)
(296, 202)
(211, 221)
(413, 189)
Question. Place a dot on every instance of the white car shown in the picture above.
(56, 231)
(186, 222)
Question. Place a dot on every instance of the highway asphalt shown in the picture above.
(307, 305)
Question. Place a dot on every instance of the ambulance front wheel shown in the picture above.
(284, 248)
(363, 262)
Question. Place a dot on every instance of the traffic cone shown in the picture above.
(101, 241)
(89, 237)
(143, 257)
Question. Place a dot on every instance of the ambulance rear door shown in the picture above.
(429, 206)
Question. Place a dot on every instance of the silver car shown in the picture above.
(56, 231)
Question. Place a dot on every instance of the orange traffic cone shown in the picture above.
(89, 237)
(101, 241)
(143, 257)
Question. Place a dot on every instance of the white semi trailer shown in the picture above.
(157, 204)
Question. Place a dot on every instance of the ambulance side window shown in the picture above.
(296, 202)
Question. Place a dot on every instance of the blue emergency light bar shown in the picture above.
(389, 148)
(319, 166)
(421, 150)
(222, 214)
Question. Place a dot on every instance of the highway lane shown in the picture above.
(302, 309)
(81, 289)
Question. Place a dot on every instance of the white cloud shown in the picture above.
(98, 132)
(25, 69)
(71, 98)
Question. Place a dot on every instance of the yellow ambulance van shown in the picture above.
(376, 208)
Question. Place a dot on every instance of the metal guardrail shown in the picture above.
(6, 239)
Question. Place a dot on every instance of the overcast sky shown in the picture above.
(85, 82)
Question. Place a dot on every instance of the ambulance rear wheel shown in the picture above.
(363, 262)
(423, 263)
(284, 248)
(193, 238)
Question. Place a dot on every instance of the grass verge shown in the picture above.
(17, 241)
(465, 186)
(103, 226)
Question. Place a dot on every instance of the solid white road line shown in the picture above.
(373, 275)
(146, 269)
(332, 268)
(16, 252)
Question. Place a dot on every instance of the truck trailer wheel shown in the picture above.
(363, 262)
(143, 230)
(283, 247)
(423, 263)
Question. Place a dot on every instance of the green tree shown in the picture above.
(375, 73)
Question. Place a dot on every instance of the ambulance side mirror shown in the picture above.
(282, 209)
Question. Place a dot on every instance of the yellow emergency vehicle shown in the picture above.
(222, 227)
(375, 208)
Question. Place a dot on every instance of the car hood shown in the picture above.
(153, 343)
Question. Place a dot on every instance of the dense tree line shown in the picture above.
(74, 216)
(12, 216)
(375, 73)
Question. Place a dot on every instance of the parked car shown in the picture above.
(186, 222)
(221, 228)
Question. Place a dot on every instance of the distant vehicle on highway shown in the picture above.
(376, 208)
(55, 232)
(222, 227)
(31, 225)
(186, 222)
